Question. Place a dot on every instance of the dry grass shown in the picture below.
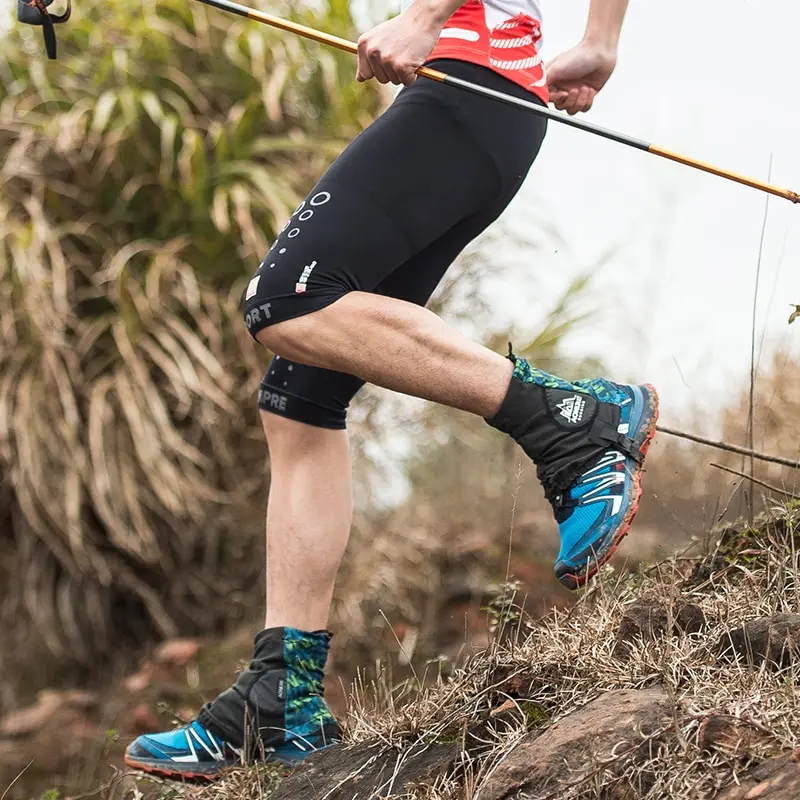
(684, 495)
(541, 672)
(135, 202)
(776, 422)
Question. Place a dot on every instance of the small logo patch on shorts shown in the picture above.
(300, 286)
(252, 287)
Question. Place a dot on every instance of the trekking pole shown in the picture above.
(542, 111)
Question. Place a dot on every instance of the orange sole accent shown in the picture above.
(165, 773)
(576, 581)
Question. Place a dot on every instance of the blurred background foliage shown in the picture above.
(142, 177)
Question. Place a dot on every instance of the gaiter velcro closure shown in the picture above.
(562, 431)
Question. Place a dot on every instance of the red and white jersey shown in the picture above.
(504, 35)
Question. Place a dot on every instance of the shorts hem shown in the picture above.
(324, 303)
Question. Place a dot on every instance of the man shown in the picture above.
(340, 299)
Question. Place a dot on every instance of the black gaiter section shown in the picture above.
(251, 712)
(563, 432)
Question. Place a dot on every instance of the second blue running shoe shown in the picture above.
(588, 439)
(274, 712)
(595, 513)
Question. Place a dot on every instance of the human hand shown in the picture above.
(393, 51)
(576, 76)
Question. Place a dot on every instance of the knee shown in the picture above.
(283, 431)
(305, 397)
(296, 442)
(292, 339)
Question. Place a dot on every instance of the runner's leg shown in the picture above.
(396, 345)
(371, 214)
(309, 512)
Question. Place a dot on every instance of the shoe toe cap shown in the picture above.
(144, 747)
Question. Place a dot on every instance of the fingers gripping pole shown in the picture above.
(306, 32)
(535, 108)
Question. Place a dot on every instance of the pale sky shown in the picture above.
(716, 80)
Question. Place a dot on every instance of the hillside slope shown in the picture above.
(679, 682)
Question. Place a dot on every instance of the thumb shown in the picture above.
(554, 71)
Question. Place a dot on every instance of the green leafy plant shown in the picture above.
(143, 176)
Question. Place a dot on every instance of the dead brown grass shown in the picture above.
(554, 666)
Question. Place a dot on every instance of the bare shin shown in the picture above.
(308, 520)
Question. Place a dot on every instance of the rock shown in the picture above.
(176, 652)
(655, 614)
(366, 770)
(733, 737)
(775, 640)
(142, 720)
(689, 618)
(138, 682)
(570, 749)
(27, 721)
(775, 779)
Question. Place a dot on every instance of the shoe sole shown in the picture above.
(574, 582)
(163, 772)
(154, 768)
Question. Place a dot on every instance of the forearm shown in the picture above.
(434, 13)
(605, 23)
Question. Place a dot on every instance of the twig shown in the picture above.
(24, 770)
(731, 448)
(752, 396)
(402, 649)
(756, 480)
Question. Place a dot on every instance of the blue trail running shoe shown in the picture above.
(588, 439)
(190, 752)
(274, 712)
(595, 513)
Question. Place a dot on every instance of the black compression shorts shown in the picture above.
(389, 217)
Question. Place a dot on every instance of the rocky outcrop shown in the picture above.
(774, 639)
(656, 614)
(366, 771)
(775, 779)
(734, 737)
(620, 727)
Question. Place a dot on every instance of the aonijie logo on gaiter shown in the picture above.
(571, 409)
